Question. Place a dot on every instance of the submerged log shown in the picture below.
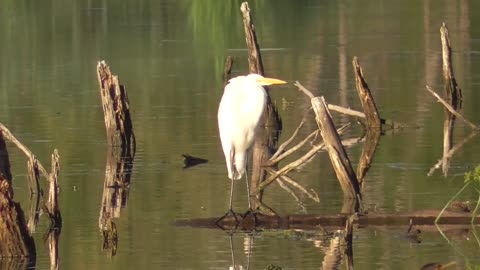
(417, 218)
(116, 109)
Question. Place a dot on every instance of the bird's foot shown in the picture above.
(253, 213)
(229, 212)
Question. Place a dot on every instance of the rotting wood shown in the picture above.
(373, 125)
(53, 209)
(448, 125)
(371, 113)
(281, 148)
(418, 218)
(9, 136)
(338, 156)
(118, 172)
(451, 109)
(372, 137)
(110, 238)
(452, 90)
(452, 151)
(15, 238)
(294, 164)
(266, 138)
(227, 70)
(33, 175)
(5, 173)
(347, 111)
(33, 213)
(52, 237)
(255, 64)
(116, 110)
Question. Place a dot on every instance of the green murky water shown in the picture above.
(170, 56)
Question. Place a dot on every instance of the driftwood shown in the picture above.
(373, 125)
(347, 111)
(52, 207)
(452, 151)
(5, 173)
(15, 241)
(255, 64)
(338, 156)
(9, 136)
(417, 218)
(115, 187)
(452, 91)
(266, 138)
(33, 175)
(120, 153)
(33, 212)
(51, 239)
(227, 71)
(116, 109)
(451, 109)
(371, 113)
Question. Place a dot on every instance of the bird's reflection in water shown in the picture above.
(247, 248)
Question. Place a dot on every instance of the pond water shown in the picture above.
(170, 56)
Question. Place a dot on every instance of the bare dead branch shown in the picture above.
(290, 151)
(9, 136)
(450, 109)
(452, 151)
(287, 142)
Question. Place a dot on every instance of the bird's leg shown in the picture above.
(230, 211)
(250, 209)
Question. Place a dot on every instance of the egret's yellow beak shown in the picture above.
(269, 81)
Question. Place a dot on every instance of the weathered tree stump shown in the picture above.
(338, 156)
(267, 137)
(452, 90)
(53, 209)
(15, 241)
(116, 110)
(373, 122)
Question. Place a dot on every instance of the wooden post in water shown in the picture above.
(116, 109)
(33, 175)
(265, 138)
(119, 164)
(373, 122)
(52, 202)
(15, 241)
(452, 90)
(453, 95)
(338, 156)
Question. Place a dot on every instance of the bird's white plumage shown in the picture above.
(239, 113)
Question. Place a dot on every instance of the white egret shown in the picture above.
(242, 105)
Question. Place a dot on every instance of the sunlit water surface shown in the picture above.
(170, 56)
